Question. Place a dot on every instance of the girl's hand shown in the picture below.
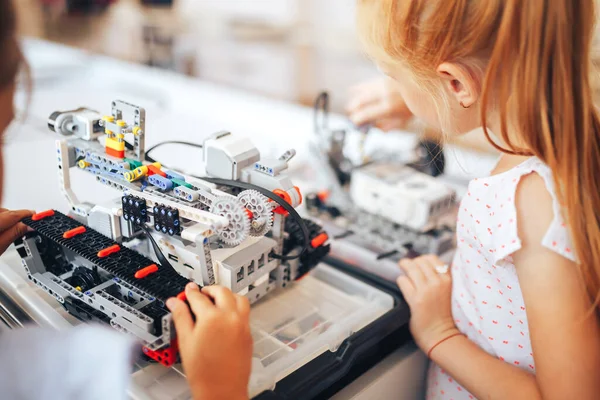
(216, 349)
(378, 103)
(428, 294)
(11, 227)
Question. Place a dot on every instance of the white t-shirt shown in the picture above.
(487, 303)
(88, 362)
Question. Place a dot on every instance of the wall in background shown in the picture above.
(286, 49)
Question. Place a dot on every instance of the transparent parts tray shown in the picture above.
(290, 328)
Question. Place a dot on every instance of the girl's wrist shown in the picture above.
(427, 338)
(217, 392)
(440, 342)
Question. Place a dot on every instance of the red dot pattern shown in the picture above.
(487, 303)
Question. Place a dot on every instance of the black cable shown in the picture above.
(321, 106)
(184, 143)
(242, 185)
(293, 213)
(148, 158)
(159, 254)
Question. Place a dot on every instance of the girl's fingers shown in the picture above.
(199, 303)
(223, 297)
(406, 287)
(392, 123)
(428, 268)
(8, 236)
(182, 317)
(371, 113)
(9, 219)
(414, 272)
(434, 261)
(359, 100)
(243, 305)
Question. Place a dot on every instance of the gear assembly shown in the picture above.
(117, 262)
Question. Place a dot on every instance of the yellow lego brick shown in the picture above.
(135, 174)
(108, 132)
(83, 164)
(120, 136)
(115, 144)
(139, 172)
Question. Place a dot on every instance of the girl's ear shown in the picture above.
(460, 82)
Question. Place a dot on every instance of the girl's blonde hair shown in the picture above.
(536, 58)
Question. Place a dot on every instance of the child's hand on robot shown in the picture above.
(427, 288)
(378, 103)
(216, 348)
(11, 227)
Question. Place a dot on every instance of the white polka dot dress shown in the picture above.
(487, 303)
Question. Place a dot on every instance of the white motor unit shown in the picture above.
(401, 194)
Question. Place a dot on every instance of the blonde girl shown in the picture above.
(516, 314)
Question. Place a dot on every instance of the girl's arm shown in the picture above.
(563, 325)
(486, 377)
(429, 295)
(564, 329)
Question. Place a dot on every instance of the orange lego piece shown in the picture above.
(284, 195)
(109, 250)
(299, 194)
(144, 272)
(319, 240)
(323, 195)
(74, 232)
(115, 153)
(152, 169)
(42, 215)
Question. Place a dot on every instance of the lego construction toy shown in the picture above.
(388, 208)
(118, 262)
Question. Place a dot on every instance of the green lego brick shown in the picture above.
(133, 164)
(179, 182)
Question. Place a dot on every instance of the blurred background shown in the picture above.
(285, 49)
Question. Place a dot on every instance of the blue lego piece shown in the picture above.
(174, 175)
(160, 182)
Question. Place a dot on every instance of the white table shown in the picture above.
(181, 108)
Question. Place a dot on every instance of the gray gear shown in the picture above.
(239, 223)
(262, 210)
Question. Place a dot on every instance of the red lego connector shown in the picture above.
(144, 272)
(109, 250)
(74, 232)
(42, 215)
(181, 296)
(319, 240)
(166, 357)
(154, 170)
(284, 195)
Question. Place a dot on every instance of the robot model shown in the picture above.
(118, 262)
(391, 208)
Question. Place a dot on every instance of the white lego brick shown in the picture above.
(197, 233)
(215, 221)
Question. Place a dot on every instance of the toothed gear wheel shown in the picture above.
(239, 221)
(262, 210)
